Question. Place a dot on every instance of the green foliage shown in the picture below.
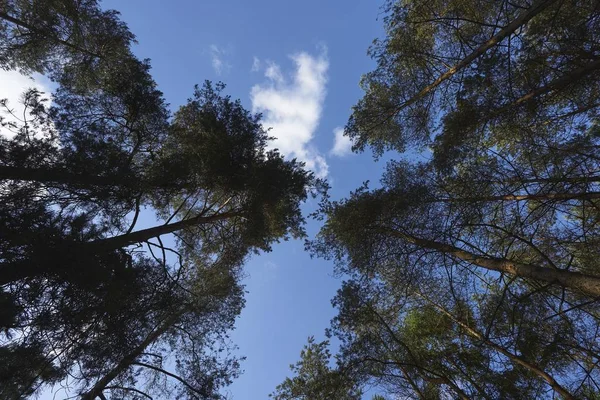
(516, 82)
(58, 36)
(84, 292)
(467, 271)
(315, 379)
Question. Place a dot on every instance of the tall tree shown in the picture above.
(473, 273)
(415, 340)
(218, 204)
(458, 73)
(87, 294)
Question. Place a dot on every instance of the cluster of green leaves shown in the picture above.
(473, 273)
(86, 295)
(315, 379)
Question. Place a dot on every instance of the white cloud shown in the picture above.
(342, 145)
(292, 106)
(218, 59)
(255, 64)
(12, 87)
(273, 72)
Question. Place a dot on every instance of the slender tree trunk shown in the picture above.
(30, 268)
(64, 177)
(143, 235)
(521, 20)
(412, 383)
(555, 179)
(571, 179)
(513, 197)
(587, 284)
(438, 380)
(556, 84)
(53, 175)
(477, 387)
(17, 21)
(513, 357)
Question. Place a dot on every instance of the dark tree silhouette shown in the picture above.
(125, 311)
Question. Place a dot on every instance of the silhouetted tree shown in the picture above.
(473, 273)
(85, 292)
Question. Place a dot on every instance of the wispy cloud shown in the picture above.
(12, 87)
(292, 106)
(342, 145)
(265, 274)
(255, 64)
(218, 57)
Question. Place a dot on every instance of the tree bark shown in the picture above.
(571, 179)
(64, 177)
(556, 84)
(513, 197)
(13, 272)
(587, 284)
(143, 235)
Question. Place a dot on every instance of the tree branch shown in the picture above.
(33, 29)
(176, 377)
(129, 389)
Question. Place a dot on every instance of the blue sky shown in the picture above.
(299, 63)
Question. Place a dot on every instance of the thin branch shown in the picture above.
(129, 389)
(137, 213)
(176, 377)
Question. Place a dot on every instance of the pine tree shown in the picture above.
(84, 291)
(473, 273)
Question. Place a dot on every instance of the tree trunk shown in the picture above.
(556, 84)
(54, 176)
(143, 235)
(30, 268)
(513, 197)
(587, 284)
(571, 179)
(521, 20)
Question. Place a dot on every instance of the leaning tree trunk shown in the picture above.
(587, 284)
(509, 29)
